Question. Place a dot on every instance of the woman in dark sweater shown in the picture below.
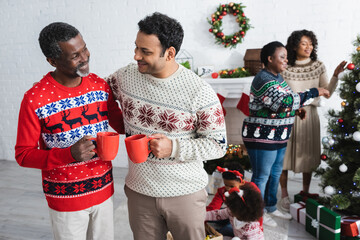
(266, 131)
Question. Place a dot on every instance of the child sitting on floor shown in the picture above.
(244, 210)
(232, 176)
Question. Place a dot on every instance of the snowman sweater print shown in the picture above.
(272, 111)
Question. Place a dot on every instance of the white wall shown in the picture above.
(109, 29)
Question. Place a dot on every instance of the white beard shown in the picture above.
(82, 74)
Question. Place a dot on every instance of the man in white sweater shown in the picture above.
(161, 98)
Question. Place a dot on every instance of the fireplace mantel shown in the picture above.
(231, 88)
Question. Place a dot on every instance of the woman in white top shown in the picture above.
(304, 71)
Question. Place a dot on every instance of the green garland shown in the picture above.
(234, 73)
(235, 9)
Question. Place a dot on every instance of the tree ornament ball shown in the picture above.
(358, 87)
(325, 140)
(214, 75)
(356, 136)
(343, 103)
(343, 168)
(323, 157)
(350, 66)
(358, 48)
(331, 141)
(329, 190)
(340, 120)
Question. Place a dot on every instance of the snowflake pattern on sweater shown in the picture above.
(55, 117)
(185, 109)
(272, 110)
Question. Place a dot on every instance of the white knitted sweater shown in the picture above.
(184, 108)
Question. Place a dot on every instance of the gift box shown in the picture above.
(210, 233)
(350, 226)
(302, 198)
(298, 212)
(321, 222)
(299, 198)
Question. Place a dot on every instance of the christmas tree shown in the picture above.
(340, 180)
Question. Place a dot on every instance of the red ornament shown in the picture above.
(243, 14)
(234, 13)
(234, 41)
(213, 19)
(350, 66)
(223, 5)
(323, 157)
(224, 13)
(220, 17)
(210, 30)
(340, 120)
(214, 75)
(242, 33)
(220, 34)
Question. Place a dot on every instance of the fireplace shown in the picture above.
(232, 89)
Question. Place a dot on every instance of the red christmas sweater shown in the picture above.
(217, 200)
(52, 118)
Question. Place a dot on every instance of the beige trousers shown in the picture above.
(151, 218)
(94, 223)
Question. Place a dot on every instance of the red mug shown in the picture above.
(137, 147)
(107, 145)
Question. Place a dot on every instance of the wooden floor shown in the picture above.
(24, 212)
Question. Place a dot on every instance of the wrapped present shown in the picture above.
(302, 197)
(211, 234)
(321, 222)
(299, 198)
(350, 226)
(298, 212)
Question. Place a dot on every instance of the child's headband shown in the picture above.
(239, 192)
(236, 173)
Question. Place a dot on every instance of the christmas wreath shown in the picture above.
(236, 9)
